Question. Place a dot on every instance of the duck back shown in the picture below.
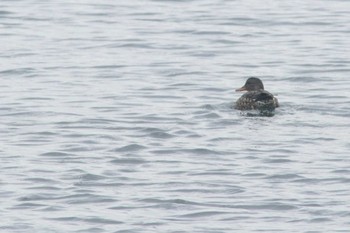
(257, 100)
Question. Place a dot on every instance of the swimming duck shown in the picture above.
(256, 97)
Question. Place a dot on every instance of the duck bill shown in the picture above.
(241, 89)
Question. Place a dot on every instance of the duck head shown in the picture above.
(252, 84)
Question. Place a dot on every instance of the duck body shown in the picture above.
(256, 97)
(257, 100)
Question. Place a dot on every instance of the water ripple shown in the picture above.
(116, 116)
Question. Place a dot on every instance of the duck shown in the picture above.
(256, 97)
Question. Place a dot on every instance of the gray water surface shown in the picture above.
(116, 116)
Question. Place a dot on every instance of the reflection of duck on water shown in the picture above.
(256, 98)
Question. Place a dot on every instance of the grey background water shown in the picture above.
(116, 116)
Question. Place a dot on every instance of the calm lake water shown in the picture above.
(116, 116)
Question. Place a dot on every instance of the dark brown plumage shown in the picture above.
(256, 98)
